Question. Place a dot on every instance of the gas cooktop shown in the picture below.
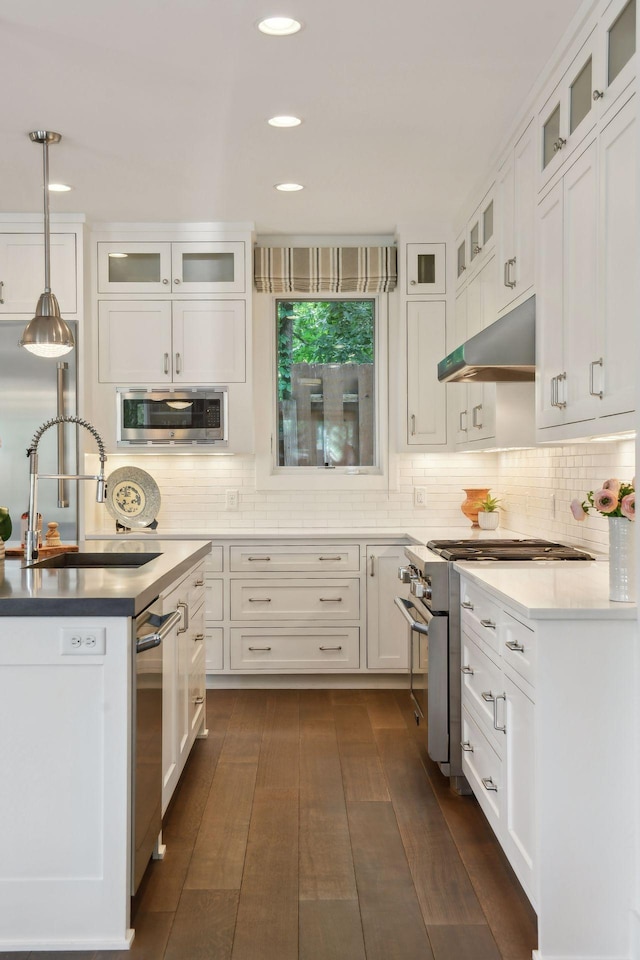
(505, 550)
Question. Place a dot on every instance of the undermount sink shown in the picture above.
(84, 561)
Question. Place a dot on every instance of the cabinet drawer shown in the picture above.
(197, 634)
(294, 558)
(335, 599)
(197, 694)
(194, 585)
(480, 614)
(213, 563)
(214, 607)
(483, 769)
(332, 648)
(214, 645)
(518, 647)
(482, 680)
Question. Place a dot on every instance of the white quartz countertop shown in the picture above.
(553, 590)
(417, 534)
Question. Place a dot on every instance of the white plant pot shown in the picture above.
(488, 521)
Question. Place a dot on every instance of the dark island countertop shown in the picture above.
(111, 592)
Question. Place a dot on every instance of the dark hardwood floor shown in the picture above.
(311, 825)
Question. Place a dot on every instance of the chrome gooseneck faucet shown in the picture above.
(31, 542)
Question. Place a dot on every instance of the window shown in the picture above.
(326, 383)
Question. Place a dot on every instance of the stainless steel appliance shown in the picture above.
(149, 630)
(433, 614)
(33, 390)
(181, 416)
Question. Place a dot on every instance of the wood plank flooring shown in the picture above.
(311, 825)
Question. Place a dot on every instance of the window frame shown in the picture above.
(269, 474)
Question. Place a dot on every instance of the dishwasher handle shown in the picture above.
(405, 607)
(164, 626)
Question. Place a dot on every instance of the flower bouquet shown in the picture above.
(616, 501)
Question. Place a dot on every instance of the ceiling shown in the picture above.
(163, 104)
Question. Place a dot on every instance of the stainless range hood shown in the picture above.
(503, 351)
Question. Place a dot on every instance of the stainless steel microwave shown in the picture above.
(180, 417)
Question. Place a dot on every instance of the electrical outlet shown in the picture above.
(233, 499)
(419, 496)
(81, 641)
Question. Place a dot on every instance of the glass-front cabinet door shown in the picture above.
(194, 267)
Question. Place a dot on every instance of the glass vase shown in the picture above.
(622, 559)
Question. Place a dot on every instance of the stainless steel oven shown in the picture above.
(171, 417)
(433, 613)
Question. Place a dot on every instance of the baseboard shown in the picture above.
(298, 681)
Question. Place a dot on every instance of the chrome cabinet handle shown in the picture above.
(597, 94)
(488, 784)
(476, 249)
(198, 700)
(412, 283)
(466, 669)
(466, 746)
(166, 363)
(176, 280)
(165, 281)
(488, 624)
(475, 417)
(502, 727)
(372, 567)
(467, 605)
(514, 645)
(254, 649)
(413, 424)
(198, 637)
(510, 263)
(178, 363)
(330, 599)
(185, 618)
(463, 413)
(559, 144)
(488, 697)
(259, 599)
(1, 290)
(253, 559)
(561, 403)
(329, 648)
(595, 363)
(461, 269)
(554, 391)
(199, 583)
(325, 558)
(505, 273)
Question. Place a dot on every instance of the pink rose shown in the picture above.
(628, 506)
(578, 510)
(613, 486)
(605, 501)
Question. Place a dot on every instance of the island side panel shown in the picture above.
(65, 740)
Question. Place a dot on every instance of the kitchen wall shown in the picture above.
(194, 489)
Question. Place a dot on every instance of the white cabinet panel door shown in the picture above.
(387, 639)
(22, 271)
(426, 396)
(209, 341)
(134, 341)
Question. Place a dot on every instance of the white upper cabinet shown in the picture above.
(516, 218)
(426, 268)
(131, 267)
(426, 396)
(22, 271)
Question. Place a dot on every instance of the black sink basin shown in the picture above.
(96, 561)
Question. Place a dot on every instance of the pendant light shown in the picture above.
(47, 335)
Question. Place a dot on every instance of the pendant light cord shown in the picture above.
(47, 244)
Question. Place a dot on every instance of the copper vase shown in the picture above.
(470, 506)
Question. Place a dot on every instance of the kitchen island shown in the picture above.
(66, 732)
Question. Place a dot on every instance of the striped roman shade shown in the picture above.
(325, 269)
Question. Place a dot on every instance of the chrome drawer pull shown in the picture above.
(467, 605)
(329, 648)
(259, 599)
(489, 624)
(514, 645)
(253, 649)
(199, 583)
(185, 616)
(488, 784)
(198, 700)
(466, 746)
(329, 558)
(198, 637)
(330, 599)
(488, 697)
(497, 726)
(251, 559)
(468, 670)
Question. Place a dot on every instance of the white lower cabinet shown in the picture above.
(183, 667)
(387, 643)
(290, 648)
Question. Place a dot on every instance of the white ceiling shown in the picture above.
(162, 105)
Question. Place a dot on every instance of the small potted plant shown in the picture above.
(488, 517)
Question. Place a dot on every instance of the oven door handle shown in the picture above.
(405, 606)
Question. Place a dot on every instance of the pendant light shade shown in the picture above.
(47, 335)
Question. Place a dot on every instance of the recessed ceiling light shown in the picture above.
(289, 187)
(59, 188)
(279, 26)
(285, 121)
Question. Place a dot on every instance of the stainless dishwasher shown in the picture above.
(149, 630)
